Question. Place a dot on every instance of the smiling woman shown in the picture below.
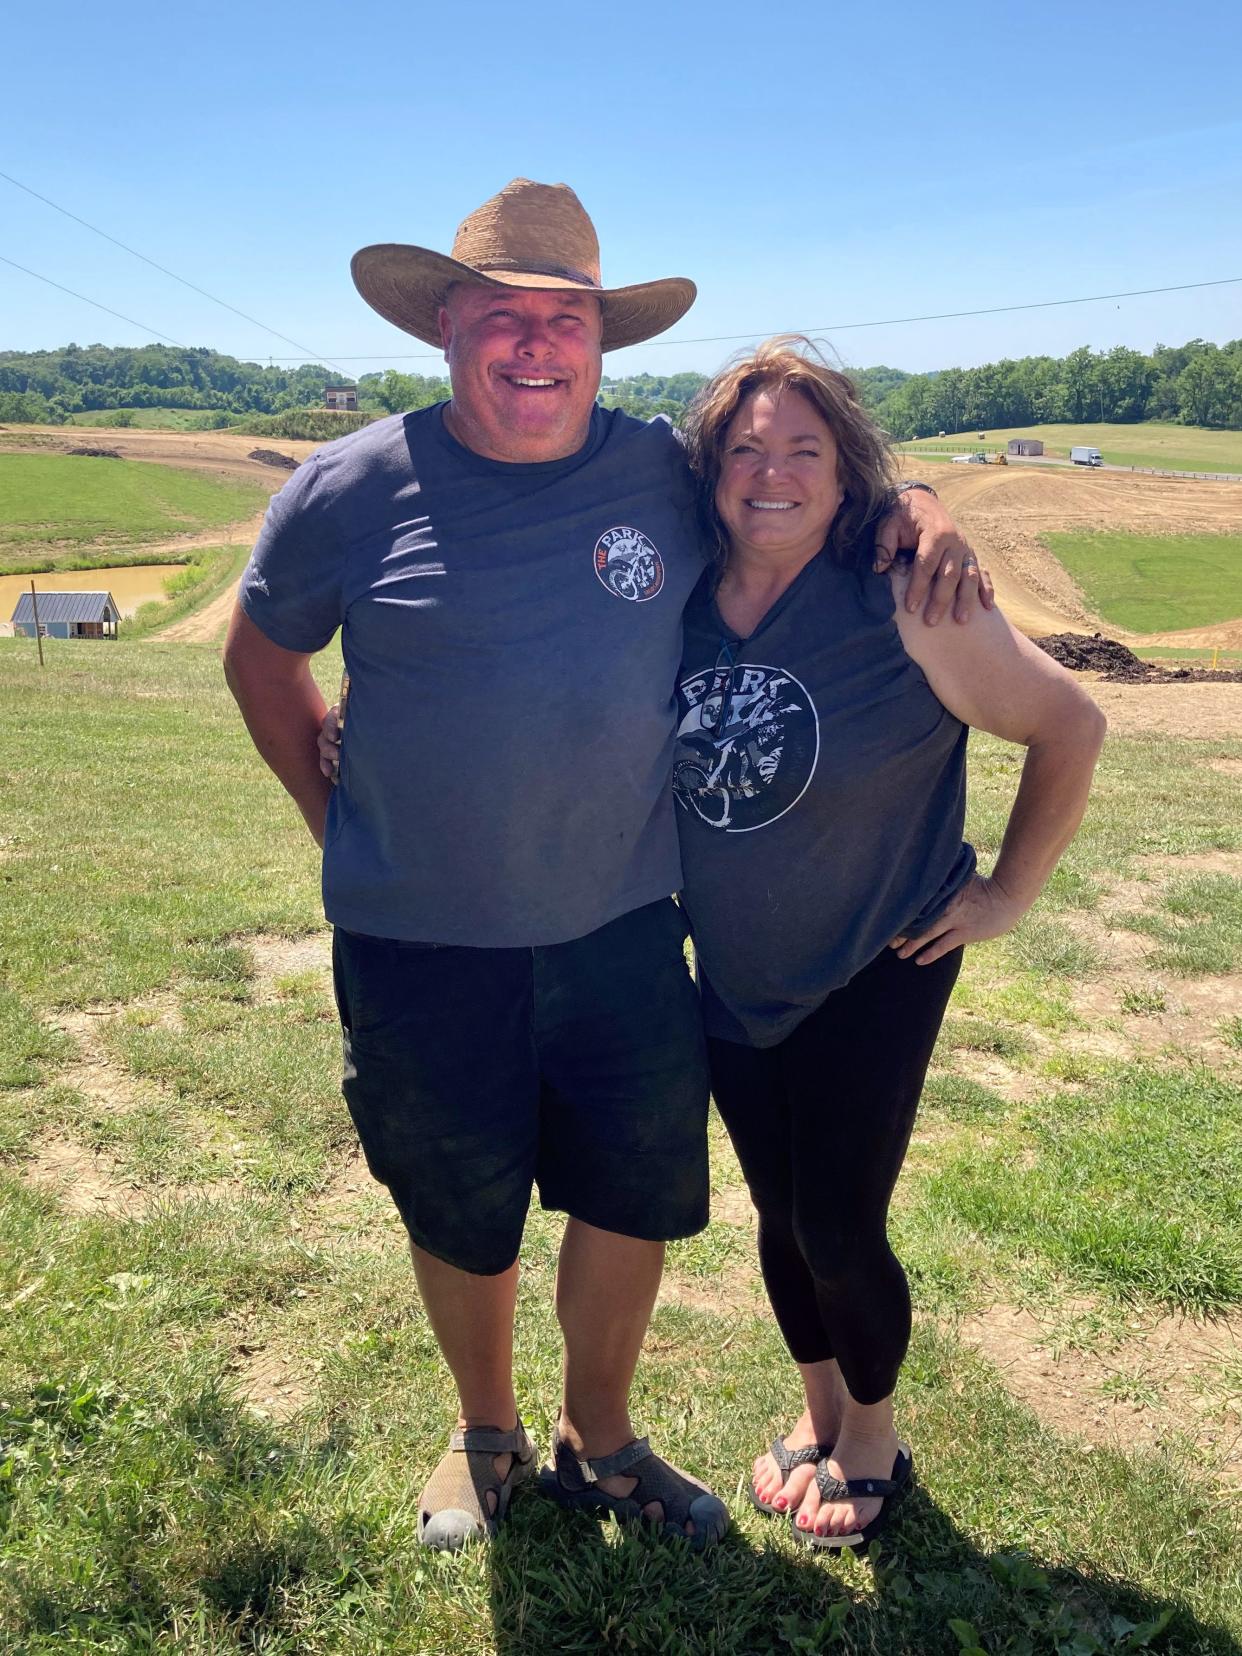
(820, 775)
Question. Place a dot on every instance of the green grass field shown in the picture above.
(1155, 583)
(219, 1397)
(1171, 447)
(150, 419)
(58, 507)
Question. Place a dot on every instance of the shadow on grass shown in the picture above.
(565, 1583)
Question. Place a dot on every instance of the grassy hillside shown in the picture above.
(1175, 447)
(56, 507)
(153, 419)
(219, 1396)
(1155, 583)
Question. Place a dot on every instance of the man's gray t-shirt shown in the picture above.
(512, 635)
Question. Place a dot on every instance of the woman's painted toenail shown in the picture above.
(780, 1503)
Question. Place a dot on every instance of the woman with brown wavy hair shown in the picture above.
(820, 778)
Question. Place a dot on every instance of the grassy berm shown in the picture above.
(219, 1397)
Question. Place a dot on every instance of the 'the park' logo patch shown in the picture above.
(628, 564)
(747, 745)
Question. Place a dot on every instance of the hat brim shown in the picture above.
(406, 285)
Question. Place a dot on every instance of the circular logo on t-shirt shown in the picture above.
(628, 564)
(747, 745)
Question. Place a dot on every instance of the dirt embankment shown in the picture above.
(1005, 510)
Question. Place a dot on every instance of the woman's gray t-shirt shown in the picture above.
(821, 790)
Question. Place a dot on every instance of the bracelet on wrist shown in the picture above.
(904, 488)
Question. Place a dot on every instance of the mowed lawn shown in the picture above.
(1155, 583)
(56, 507)
(219, 1397)
(1163, 446)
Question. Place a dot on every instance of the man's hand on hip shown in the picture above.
(945, 572)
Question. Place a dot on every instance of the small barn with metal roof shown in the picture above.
(67, 615)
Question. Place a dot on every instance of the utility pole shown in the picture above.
(34, 604)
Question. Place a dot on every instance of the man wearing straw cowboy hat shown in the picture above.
(508, 570)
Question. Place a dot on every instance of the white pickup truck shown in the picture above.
(1086, 456)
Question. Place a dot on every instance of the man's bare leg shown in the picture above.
(472, 1320)
(606, 1287)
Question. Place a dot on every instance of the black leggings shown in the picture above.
(820, 1124)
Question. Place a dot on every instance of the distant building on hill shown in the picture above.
(1025, 445)
(340, 396)
(68, 615)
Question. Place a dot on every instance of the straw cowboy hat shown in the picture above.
(528, 236)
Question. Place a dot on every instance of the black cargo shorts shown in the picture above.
(474, 1074)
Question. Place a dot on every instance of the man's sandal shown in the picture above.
(890, 1490)
(575, 1483)
(453, 1508)
(786, 1460)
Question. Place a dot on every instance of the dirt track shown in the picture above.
(1005, 509)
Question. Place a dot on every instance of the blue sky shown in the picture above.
(809, 165)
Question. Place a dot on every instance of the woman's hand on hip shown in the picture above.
(980, 910)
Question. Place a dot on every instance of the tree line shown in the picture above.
(1194, 384)
(48, 386)
(1198, 383)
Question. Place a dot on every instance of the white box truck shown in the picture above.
(1086, 457)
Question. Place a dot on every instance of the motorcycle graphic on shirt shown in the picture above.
(628, 564)
(747, 745)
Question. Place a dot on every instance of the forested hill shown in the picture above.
(1198, 383)
(46, 386)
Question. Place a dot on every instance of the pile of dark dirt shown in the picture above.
(1117, 665)
(97, 453)
(1094, 654)
(269, 457)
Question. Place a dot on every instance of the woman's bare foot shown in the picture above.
(866, 1448)
(819, 1424)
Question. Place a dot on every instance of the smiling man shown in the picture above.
(508, 572)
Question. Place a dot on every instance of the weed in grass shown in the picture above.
(1069, 888)
(1076, 1067)
(961, 1099)
(1198, 928)
(1131, 1388)
(1144, 1000)
(1049, 946)
(1231, 1030)
(1044, 1005)
(26, 1045)
(973, 1034)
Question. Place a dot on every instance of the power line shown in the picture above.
(142, 325)
(164, 271)
(839, 327)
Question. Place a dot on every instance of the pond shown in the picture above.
(131, 587)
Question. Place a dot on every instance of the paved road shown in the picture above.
(1146, 471)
